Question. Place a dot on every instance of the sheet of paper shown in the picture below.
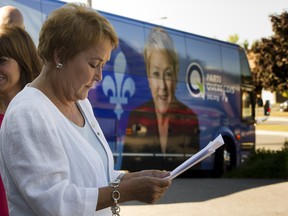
(199, 156)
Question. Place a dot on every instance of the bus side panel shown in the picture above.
(209, 95)
(124, 85)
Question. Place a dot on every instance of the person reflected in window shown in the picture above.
(163, 125)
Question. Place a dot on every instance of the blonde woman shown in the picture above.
(58, 159)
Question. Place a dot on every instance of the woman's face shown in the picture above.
(9, 76)
(84, 70)
(161, 81)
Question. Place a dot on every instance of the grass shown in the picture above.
(272, 127)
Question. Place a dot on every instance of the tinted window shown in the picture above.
(245, 69)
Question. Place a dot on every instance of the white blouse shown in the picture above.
(87, 132)
(47, 167)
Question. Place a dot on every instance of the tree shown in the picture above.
(270, 57)
(233, 38)
(245, 45)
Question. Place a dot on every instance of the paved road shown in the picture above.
(217, 197)
(272, 140)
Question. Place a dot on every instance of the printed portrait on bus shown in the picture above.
(162, 132)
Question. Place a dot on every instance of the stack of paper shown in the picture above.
(199, 156)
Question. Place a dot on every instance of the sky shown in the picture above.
(219, 19)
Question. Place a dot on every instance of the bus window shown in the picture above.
(246, 105)
(246, 77)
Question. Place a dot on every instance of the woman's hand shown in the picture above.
(146, 186)
(151, 173)
(154, 173)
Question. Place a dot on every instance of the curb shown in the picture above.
(278, 133)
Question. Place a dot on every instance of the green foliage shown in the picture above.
(264, 164)
(233, 38)
(271, 57)
(245, 44)
(285, 147)
(285, 93)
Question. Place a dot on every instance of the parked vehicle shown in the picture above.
(213, 79)
(267, 108)
(284, 106)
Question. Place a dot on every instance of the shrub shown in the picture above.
(264, 164)
(285, 147)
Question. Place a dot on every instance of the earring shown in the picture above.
(59, 65)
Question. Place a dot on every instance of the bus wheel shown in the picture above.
(225, 158)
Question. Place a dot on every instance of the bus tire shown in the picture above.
(225, 158)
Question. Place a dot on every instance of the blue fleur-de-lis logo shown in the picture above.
(121, 87)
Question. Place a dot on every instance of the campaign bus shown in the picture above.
(166, 93)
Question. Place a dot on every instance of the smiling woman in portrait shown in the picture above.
(162, 125)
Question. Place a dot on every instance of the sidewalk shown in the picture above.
(217, 197)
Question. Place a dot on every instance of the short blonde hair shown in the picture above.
(159, 39)
(73, 28)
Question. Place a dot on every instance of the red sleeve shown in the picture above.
(3, 200)
(1, 119)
